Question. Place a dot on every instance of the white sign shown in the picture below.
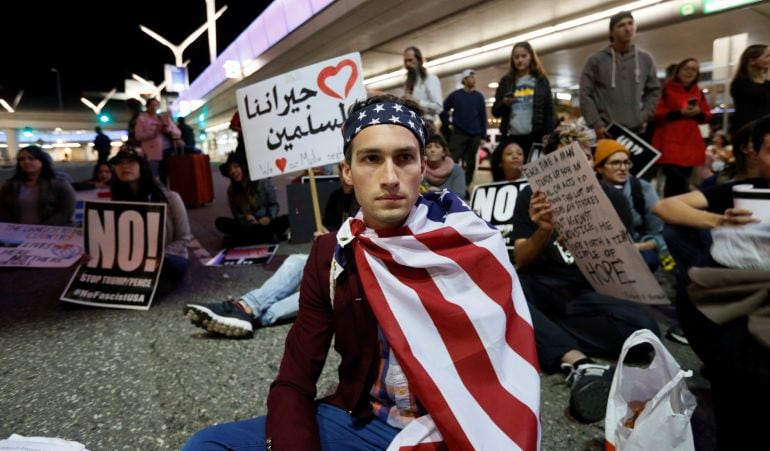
(293, 121)
(590, 227)
(39, 246)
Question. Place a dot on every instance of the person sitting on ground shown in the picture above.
(134, 182)
(254, 206)
(612, 161)
(420, 299)
(736, 360)
(278, 298)
(34, 194)
(507, 162)
(101, 177)
(442, 171)
(572, 321)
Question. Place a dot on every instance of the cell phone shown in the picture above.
(692, 102)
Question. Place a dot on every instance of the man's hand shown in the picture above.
(264, 220)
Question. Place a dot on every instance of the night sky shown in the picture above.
(96, 50)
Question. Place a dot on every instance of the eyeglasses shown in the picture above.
(25, 158)
(617, 164)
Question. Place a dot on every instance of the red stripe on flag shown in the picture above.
(485, 270)
(465, 347)
(430, 446)
(428, 393)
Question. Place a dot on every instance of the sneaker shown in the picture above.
(591, 384)
(676, 334)
(226, 318)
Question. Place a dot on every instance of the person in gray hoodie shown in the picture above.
(619, 83)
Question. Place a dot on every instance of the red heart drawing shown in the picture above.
(331, 71)
(281, 163)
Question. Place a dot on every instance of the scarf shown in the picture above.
(437, 176)
(449, 302)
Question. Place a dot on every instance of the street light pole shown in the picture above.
(178, 49)
(58, 87)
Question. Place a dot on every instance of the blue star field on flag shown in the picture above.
(385, 113)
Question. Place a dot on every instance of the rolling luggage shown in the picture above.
(190, 176)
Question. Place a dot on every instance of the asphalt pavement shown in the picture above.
(146, 380)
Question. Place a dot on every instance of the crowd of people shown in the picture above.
(405, 272)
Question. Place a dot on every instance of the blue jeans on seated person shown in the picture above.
(338, 430)
(278, 298)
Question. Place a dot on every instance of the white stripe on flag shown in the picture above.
(517, 375)
(427, 345)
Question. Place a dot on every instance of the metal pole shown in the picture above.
(58, 87)
(211, 21)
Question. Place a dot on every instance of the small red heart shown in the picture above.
(330, 71)
(281, 163)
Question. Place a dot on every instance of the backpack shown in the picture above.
(638, 202)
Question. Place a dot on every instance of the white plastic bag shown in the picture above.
(665, 421)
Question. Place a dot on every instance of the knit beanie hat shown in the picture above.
(617, 18)
(605, 148)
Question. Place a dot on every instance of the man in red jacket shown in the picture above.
(425, 310)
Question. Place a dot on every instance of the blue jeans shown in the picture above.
(278, 298)
(337, 429)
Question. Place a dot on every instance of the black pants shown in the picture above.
(465, 147)
(677, 179)
(569, 315)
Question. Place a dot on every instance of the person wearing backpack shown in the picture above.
(612, 162)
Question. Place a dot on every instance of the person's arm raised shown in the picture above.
(527, 250)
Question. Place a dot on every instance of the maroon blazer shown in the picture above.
(291, 403)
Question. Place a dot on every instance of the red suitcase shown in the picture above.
(190, 176)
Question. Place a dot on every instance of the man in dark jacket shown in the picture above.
(102, 145)
(469, 123)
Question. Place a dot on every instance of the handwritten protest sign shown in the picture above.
(125, 241)
(292, 122)
(591, 229)
(642, 154)
(495, 202)
(39, 246)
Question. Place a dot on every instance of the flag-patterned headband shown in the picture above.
(384, 113)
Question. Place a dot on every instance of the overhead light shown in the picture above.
(493, 85)
(491, 100)
(523, 37)
(89, 104)
(6, 106)
(564, 96)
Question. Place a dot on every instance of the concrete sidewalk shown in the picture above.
(120, 379)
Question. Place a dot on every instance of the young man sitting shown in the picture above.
(423, 305)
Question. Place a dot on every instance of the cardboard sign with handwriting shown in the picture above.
(293, 121)
(39, 246)
(591, 229)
